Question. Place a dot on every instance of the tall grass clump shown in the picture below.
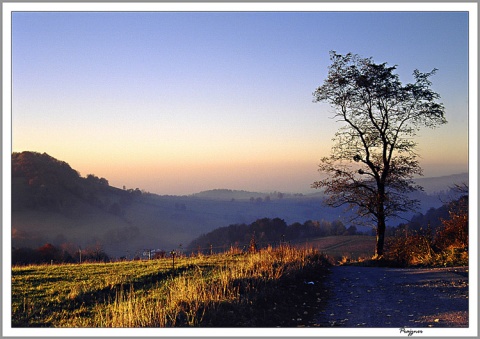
(220, 295)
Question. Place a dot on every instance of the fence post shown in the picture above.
(173, 259)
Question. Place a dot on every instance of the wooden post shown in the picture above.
(173, 259)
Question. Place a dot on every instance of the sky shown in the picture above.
(181, 102)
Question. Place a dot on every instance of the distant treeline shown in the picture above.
(66, 253)
(265, 232)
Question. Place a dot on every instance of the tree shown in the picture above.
(373, 159)
(48, 253)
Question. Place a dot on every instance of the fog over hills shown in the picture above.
(52, 203)
(442, 184)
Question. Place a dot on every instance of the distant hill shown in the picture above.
(442, 184)
(41, 182)
(228, 194)
(52, 203)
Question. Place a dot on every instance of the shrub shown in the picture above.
(410, 250)
(448, 247)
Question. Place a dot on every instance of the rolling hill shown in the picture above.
(52, 203)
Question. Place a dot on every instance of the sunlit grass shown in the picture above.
(151, 293)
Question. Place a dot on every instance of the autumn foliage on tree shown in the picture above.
(454, 231)
(373, 159)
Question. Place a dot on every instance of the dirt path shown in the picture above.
(387, 297)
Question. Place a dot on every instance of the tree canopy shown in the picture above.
(374, 157)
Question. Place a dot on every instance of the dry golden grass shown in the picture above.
(151, 294)
(187, 297)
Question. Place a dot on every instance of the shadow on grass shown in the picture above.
(288, 302)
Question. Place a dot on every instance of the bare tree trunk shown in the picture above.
(381, 225)
(380, 238)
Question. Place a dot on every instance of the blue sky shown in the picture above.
(178, 102)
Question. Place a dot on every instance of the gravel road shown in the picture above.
(388, 297)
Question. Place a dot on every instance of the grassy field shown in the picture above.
(231, 289)
(345, 246)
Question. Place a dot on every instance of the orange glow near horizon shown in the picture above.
(212, 106)
(188, 176)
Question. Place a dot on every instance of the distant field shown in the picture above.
(230, 289)
(351, 246)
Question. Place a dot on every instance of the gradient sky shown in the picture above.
(179, 102)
